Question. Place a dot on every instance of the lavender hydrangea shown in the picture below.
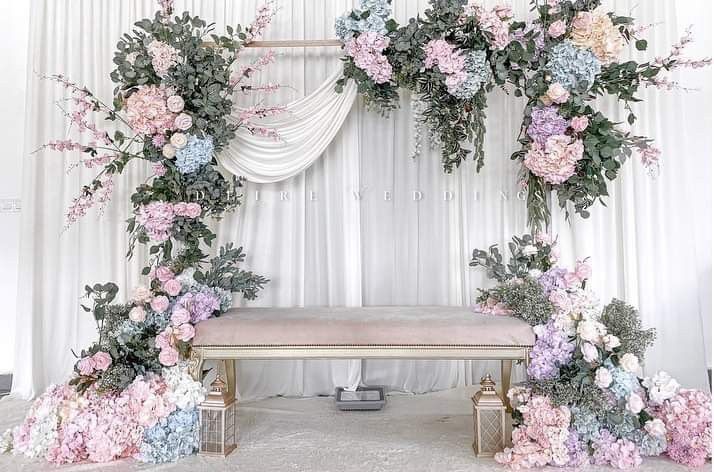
(577, 450)
(552, 279)
(200, 303)
(478, 73)
(173, 437)
(546, 122)
(195, 154)
(572, 67)
(552, 349)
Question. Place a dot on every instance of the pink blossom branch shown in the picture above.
(246, 71)
(264, 16)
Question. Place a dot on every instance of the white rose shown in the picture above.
(175, 103)
(603, 378)
(141, 294)
(168, 151)
(661, 387)
(635, 404)
(530, 250)
(610, 341)
(591, 331)
(629, 362)
(137, 314)
(178, 140)
(590, 353)
(656, 428)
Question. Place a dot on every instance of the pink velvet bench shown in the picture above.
(383, 332)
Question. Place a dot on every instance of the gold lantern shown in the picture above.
(218, 421)
(489, 420)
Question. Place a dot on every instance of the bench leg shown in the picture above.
(230, 367)
(506, 366)
(195, 365)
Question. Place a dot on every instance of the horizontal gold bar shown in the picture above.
(289, 43)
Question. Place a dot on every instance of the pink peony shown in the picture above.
(172, 287)
(102, 360)
(579, 123)
(557, 29)
(193, 210)
(185, 332)
(160, 304)
(169, 356)
(180, 315)
(555, 162)
(86, 365)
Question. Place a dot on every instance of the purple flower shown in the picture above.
(546, 122)
(201, 304)
(551, 350)
(577, 450)
(552, 279)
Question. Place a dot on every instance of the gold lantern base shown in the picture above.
(227, 452)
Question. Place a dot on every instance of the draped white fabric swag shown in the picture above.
(306, 128)
(347, 230)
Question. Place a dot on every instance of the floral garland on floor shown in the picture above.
(583, 401)
(561, 61)
(131, 395)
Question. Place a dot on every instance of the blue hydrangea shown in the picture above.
(346, 25)
(196, 154)
(478, 73)
(226, 298)
(585, 423)
(648, 445)
(623, 382)
(572, 67)
(173, 437)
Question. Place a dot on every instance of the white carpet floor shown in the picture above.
(414, 433)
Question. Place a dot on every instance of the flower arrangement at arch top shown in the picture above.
(585, 401)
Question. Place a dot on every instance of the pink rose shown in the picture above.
(141, 294)
(579, 123)
(172, 287)
(193, 210)
(102, 360)
(175, 104)
(572, 279)
(183, 122)
(185, 332)
(555, 30)
(164, 274)
(168, 356)
(583, 270)
(160, 304)
(557, 93)
(86, 366)
(180, 316)
(180, 208)
(560, 299)
(165, 339)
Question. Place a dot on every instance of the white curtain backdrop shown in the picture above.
(348, 230)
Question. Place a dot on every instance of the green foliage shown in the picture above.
(223, 272)
(623, 321)
(526, 253)
(525, 298)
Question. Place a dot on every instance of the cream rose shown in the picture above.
(610, 342)
(557, 93)
(591, 331)
(661, 387)
(656, 428)
(634, 404)
(590, 353)
(178, 140)
(137, 314)
(603, 378)
(141, 294)
(175, 104)
(168, 151)
(629, 362)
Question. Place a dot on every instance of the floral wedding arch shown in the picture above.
(131, 395)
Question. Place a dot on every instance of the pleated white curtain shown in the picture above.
(348, 230)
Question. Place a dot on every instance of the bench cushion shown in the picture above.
(344, 326)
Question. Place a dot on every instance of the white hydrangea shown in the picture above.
(184, 392)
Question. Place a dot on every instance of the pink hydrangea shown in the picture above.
(157, 218)
(541, 438)
(555, 162)
(366, 50)
(496, 24)
(146, 110)
(448, 60)
(619, 453)
(163, 57)
(688, 420)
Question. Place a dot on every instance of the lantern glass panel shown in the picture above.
(491, 430)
